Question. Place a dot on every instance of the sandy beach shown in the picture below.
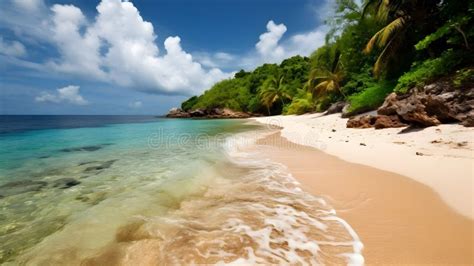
(407, 208)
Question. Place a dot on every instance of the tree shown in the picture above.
(401, 18)
(322, 81)
(272, 90)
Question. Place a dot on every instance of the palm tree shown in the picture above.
(399, 16)
(272, 90)
(322, 81)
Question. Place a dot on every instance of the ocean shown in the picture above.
(143, 190)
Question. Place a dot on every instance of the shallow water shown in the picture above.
(166, 191)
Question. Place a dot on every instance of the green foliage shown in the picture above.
(266, 88)
(367, 47)
(370, 98)
(463, 77)
(301, 104)
(189, 103)
(423, 72)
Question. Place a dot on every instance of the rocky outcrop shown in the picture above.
(376, 121)
(434, 104)
(335, 108)
(214, 113)
(177, 113)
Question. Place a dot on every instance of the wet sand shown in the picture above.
(399, 220)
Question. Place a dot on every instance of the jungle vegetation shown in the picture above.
(370, 51)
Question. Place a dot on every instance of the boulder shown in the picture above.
(364, 121)
(389, 106)
(385, 121)
(335, 108)
(177, 113)
(436, 103)
(377, 121)
(198, 113)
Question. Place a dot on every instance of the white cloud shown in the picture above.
(118, 46)
(136, 104)
(69, 94)
(129, 55)
(13, 48)
(29, 5)
(268, 46)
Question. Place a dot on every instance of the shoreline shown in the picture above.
(440, 157)
(398, 219)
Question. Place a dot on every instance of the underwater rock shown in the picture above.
(19, 187)
(66, 182)
(104, 165)
(85, 148)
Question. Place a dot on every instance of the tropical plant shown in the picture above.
(322, 80)
(273, 90)
(399, 17)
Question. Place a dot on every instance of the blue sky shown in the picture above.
(141, 57)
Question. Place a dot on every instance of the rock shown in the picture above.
(345, 111)
(378, 121)
(21, 186)
(66, 182)
(362, 144)
(436, 103)
(385, 121)
(389, 106)
(85, 148)
(198, 113)
(419, 153)
(102, 166)
(333, 130)
(177, 113)
(365, 121)
(469, 120)
(335, 108)
(227, 113)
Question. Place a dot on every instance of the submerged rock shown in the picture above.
(102, 166)
(66, 182)
(85, 148)
(19, 187)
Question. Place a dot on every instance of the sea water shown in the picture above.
(141, 190)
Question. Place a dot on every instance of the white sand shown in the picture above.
(446, 164)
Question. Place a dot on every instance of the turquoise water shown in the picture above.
(162, 191)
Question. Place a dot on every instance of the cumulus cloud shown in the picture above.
(69, 94)
(135, 105)
(119, 47)
(268, 46)
(13, 48)
(272, 48)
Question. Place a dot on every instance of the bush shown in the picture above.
(422, 73)
(370, 98)
(300, 105)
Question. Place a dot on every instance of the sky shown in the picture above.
(143, 56)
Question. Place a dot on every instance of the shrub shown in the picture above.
(370, 98)
(426, 71)
(300, 105)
